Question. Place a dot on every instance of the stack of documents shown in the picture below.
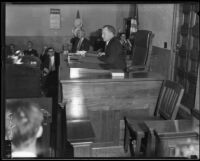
(118, 75)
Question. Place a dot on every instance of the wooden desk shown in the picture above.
(106, 101)
(168, 133)
(78, 67)
(96, 97)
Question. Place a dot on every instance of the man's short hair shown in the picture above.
(110, 28)
(12, 45)
(30, 42)
(27, 119)
(50, 48)
(122, 33)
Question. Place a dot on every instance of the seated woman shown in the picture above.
(23, 127)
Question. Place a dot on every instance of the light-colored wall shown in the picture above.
(33, 20)
(157, 18)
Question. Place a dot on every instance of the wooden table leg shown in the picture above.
(126, 137)
(151, 143)
(138, 144)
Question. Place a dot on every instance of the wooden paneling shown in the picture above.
(111, 94)
(106, 125)
(187, 53)
(82, 149)
(197, 104)
(22, 81)
(106, 101)
(79, 131)
(112, 151)
(160, 61)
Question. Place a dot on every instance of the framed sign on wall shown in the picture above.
(54, 18)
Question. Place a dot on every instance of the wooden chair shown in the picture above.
(141, 52)
(166, 108)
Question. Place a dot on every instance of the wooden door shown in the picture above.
(187, 51)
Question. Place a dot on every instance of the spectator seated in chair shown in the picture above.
(23, 127)
(74, 40)
(30, 51)
(126, 44)
(16, 58)
(83, 44)
(10, 50)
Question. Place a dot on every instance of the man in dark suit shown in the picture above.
(113, 55)
(74, 41)
(83, 44)
(30, 51)
(50, 69)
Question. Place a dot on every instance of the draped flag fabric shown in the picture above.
(134, 18)
(77, 23)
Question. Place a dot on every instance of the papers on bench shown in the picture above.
(117, 74)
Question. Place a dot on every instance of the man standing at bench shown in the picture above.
(113, 55)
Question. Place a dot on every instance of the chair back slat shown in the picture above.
(169, 100)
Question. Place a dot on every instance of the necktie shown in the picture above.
(106, 46)
(52, 63)
(79, 44)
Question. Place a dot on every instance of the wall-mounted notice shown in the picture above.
(54, 18)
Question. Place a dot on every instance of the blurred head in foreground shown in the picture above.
(23, 127)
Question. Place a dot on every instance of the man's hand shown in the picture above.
(45, 71)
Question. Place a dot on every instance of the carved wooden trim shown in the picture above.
(174, 40)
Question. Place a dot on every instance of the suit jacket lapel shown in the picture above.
(108, 46)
